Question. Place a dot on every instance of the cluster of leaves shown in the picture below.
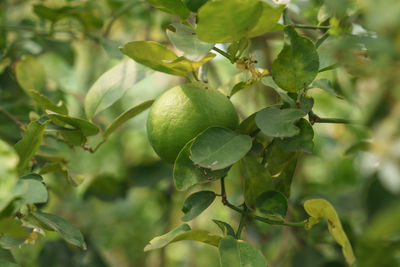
(264, 149)
(265, 146)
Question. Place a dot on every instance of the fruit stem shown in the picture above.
(314, 118)
(242, 222)
(312, 27)
(221, 52)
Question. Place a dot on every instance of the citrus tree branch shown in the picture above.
(250, 215)
(314, 118)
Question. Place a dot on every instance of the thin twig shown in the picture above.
(242, 222)
(311, 27)
(314, 118)
(20, 125)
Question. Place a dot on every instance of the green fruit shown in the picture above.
(183, 112)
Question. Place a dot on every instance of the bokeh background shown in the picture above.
(127, 196)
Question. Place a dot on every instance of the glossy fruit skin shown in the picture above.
(183, 112)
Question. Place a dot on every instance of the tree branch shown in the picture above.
(250, 215)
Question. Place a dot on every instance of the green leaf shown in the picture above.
(160, 58)
(87, 15)
(8, 174)
(85, 126)
(306, 103)
(175, 7)
(279, 122)
(225, 228)
(194, 5)
(226, 21)
(297, 64)
(73, 137)
(127, 115)
(5, 263)
(31, 191)
(184, 39)
(300, 142)
(182, 232)
(256, 179)
(187, 174)
(268, 21)
(282, 165)
(325, 85)
(110, 87)
(7, 259)
(269, 81)
(239, 86)
(248, 125)
(60, 167)
(32, 176)
(273, 204)
(66, 229)
(47, 104)
(30, 143)
(12, 227)
(163, 240)
(238, 253)
(320, 208)
(199, 235)
(30, 74)
(217, 148)
(196, 203)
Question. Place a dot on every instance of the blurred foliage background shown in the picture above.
(127, 195)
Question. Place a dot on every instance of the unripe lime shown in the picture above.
(181, 113)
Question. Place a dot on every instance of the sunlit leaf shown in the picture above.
(187, 174)
(196, 203)
(67, 230)
(297, 64)
(238, 253)
(320, 208)
(217, 148)
(279, 122)
(30, 143)
(163, 240)
(184, 39)
(183, 232)
(225, 21)
(110, 87)
(160, 58)
(268, 21)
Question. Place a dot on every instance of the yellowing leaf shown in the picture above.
(320, 208)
